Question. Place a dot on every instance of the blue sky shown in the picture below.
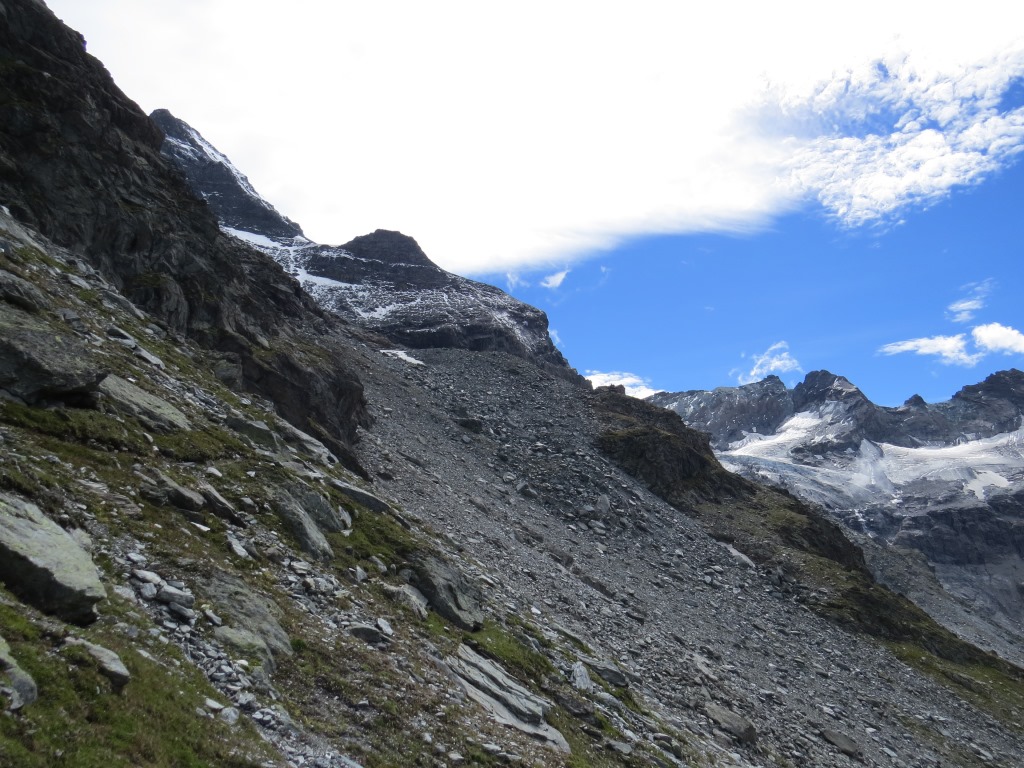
(711, 192)
(700, 311)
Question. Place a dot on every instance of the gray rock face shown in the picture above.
(730, 413)
(735, 725)
(227, 192)
(294, 514)
(43, 565)
(155, 412)
(486, 683)
(449, 593)
(109, 663)
(248, 612)
(40, 364)
(361, 497)
(21, 689)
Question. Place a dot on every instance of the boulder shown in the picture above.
(486, 683)
(368, 634)
(735, 725)
(246, 644)
(42, 564)
(360, 497)
(327, 517)
(449, 593)
(109, 663)
(843, 743)
(306, 443)
(608, 672)
(257, 431)
(409, 596)
(40, 363)
(154, 412)
(21, 688)
(302, 526)
(161, 489)
(21, 293)
(242, 607)
(220, 506)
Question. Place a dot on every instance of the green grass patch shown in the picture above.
(379, 534)
(995, 688)
(200, 445)
(80, 722)
(517, 656)
(78, 425)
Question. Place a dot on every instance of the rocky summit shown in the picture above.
(381, 281)
(241, 527)
(936, 488)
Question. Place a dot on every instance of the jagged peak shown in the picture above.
(212, 176)
(821, 386)
(390, 247)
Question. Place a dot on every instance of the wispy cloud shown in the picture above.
(892, 136)
(555, 338)
(513, 280)
(963, 310)
(555, 280)
(994, 337)
(636, 386)
(951, 350)
(775, 359)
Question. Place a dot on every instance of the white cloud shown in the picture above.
(951, 350)
(994, 337)
(555, 338)
(636, 386)
(963, 310)
(775, 359)
(555, 280)
(670, 119)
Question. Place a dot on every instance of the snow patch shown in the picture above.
(400, 354)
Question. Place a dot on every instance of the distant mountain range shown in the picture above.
(946, 479)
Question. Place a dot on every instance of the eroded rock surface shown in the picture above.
(44, 565)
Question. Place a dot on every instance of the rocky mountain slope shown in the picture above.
(943, 479)
(381, 281)
(506, 568)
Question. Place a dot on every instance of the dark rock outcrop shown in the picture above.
(81, 163)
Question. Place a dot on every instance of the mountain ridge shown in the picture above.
(944, 479)
(509, 569)
(382, 280)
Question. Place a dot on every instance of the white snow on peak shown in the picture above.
(213, 154)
